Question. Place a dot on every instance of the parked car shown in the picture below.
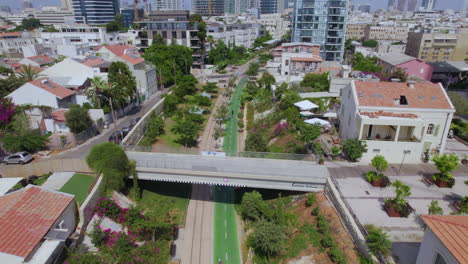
(18, 158)
(116, 137)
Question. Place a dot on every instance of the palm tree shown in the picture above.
(98, 85)
(378, 241)
(29, 73)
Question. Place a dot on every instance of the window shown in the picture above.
(174, 34)
(376, 151)
(430, 129)
(439, 259)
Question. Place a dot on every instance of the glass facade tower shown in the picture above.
(95, 12)
(321, 22)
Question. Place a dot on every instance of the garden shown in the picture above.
(79, 185)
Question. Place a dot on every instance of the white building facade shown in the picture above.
(400, 121)
(243, 35)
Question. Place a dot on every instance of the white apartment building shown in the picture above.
(277, 24)
(11, 42)
(401, 121)
(145, 74)
(243, 35)
(79, 34)
(297, 58)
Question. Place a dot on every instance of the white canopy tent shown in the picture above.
(306, 113)
(318, 121)
(305, 105)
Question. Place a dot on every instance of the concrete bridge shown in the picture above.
(231, 171)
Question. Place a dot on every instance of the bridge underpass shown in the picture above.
(231, 171)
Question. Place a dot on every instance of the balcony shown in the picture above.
(391, 133)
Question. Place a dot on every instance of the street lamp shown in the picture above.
(112, 108)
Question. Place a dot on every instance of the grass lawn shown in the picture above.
(169, 138)
(164, 197)
(78, 185)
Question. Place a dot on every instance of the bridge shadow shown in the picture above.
(169, 189)
(233, 195)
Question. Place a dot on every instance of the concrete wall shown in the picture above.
(86, 209)
(430, 247)
(43, 167)
(418, 68)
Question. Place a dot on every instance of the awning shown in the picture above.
(317, 121)
(306, 113)
(306, 105)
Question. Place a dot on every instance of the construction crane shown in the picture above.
(136, 17)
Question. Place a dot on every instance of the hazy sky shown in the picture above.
(376, 4)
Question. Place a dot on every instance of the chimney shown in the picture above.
(345, 70)
(411, 84)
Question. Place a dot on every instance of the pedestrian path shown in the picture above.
(57, 180)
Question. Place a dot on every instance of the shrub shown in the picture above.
(337, 255)
(445, 164)
(327, 241)
(335, 150)
(107, 207)
(354, 148)
(97, 235)
(322, 223)
(378, 241)
(434, 208)
(379, 163)
(311, 199)
(77, 119)
(316, 211)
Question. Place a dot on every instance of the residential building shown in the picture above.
(448, 72)
(438, 44)
(209, 7)
(386, 33)
(390, 46)
(428, 5)
(404, 122)
(321, 22)
(411, 65)
(412, 5)
(295, 59)
(11, 42)
(95, 12)
(268, 6)
(243, 35)
(277, 24)
(43, 92)
(35, 222)
(80, 72)
(356, 31)
(38, 61)
(53, 15)
(145, 74)
(445, 240)
(391, 5)
(174, 26)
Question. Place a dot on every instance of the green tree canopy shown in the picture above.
(354, 148)
(123, 84)
(379, 163)
(366, 64)
(309, 133)
(259, 42)
(319, 82)
(210, 87)
(77, 119)
(30, 23)
(257, 142)
(378, 241)
(111, 160)
(268, 239)
(370, 43)
(186, 130)
(445, 164)
(253, 69)
(115, 25)
(266, 81)
(20, 137)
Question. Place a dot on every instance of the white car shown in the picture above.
(18, 158)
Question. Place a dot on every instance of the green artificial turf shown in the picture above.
(78, 185)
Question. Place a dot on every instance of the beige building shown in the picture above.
(438, 45)
(355, 31)
(386, 33)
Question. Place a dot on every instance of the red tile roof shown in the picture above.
(123, 52)
(452, 230)
(10, 34)
(389, 114)
(26, 216)
(41, 59)
(313, 59)
(53, 88)
(59, 115)
(383, 94)
(20, 68)
(93, 62)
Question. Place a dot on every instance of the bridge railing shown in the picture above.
(240, 154)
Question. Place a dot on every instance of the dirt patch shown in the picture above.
(338, 231)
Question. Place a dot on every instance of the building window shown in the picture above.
(376, 151)
(439, 259)
(430, 129)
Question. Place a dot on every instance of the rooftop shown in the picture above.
(401, 95)
(452, 231)
(59, 115)
(312, 59)
(26, 216)
(41, 59)
(52, 87)
(126, 52)
(395, 58)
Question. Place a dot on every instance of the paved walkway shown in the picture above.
(197, 246)
(57, 180)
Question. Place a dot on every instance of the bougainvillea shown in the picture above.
(7, 109)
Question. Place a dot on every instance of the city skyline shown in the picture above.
(382, 4)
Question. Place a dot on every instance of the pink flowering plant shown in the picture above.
(7, 109)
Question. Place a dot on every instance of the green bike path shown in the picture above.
(226, 243)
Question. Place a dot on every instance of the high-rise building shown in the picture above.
(95, 12)
(209, 7)
(391, 5)
(268, 6)
(321, 22)
(230, 6)
(401, 5)
(167, 5)
(428, 5)
(27, 4)
(364, 8)
(412, 5)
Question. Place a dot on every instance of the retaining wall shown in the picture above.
(40, 167)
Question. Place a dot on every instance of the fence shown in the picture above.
(240, 154)
(43, 167)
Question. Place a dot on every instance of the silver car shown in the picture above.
(18, 158)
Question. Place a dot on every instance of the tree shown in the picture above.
(259, 42)
(210, 87)
(115, 25)
(319, 82)
(434, 208)
(445, 164)
(354, 148)
(154, 129)
(266, 81)
(365, 64)
(77, 119)
(253, 207)
(309, 133)
(186, 86)
(401, 192)
(170, 104)
(253, 69)
(29, 73)
(280, 90)
(7, 109)
(268, 239)
(123, 82)
(186, 130)
(370, 43)
(30, 23)
(400, 74)
(111, 161)
(379, 163)
(20, 137)
(256, 142)
(378, 241)
(288, 99)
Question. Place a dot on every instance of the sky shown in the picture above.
(376, 4)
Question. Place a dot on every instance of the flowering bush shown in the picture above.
(107, 207)
(280, 127)
(7, 109)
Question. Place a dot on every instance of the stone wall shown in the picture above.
(40, 167)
